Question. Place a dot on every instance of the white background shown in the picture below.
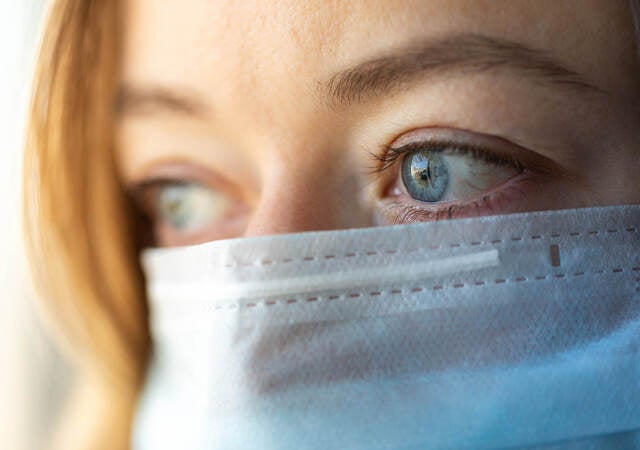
(31, 372)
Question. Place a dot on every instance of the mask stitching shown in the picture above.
(419, 289)
(367, 253)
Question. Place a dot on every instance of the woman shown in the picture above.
(174, 123)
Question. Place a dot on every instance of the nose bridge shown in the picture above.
(308, 196)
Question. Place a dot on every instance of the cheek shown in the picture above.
(612, 175)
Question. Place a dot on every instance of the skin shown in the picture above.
(235, 96)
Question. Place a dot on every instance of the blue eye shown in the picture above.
(189, 206)
(425, 175)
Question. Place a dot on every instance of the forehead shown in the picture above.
(262, 50)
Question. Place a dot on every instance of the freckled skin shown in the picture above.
(301, 165)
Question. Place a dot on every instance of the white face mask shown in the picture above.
(511, 331)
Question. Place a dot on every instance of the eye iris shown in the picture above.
(174, 206)
(425, 176)
(190, 206)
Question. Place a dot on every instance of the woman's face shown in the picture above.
(253, 117)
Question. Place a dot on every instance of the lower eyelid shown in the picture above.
(499, 200)
(232, 226)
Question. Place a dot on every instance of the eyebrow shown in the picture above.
(149, 100)
(468, 53)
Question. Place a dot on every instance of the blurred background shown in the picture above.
(33, 375)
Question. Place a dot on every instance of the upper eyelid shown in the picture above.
(172, 170)
(177, 170)
(391, 154)
(146, 184)
(162, 181)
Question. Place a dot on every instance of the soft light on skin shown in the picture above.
(285, 102)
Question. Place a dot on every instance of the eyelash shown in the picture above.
(390, 155)
(410, 213)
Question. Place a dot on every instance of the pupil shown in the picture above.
(425, 175)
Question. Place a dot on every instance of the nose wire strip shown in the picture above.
(364, 276)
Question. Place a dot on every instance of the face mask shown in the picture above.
(515, 331)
